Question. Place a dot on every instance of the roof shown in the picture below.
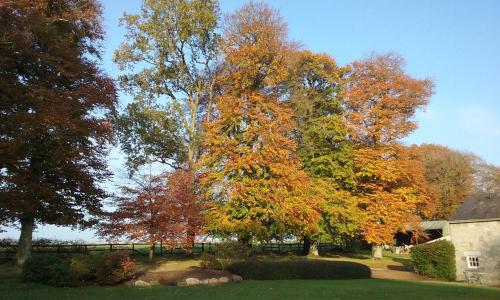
(480, 207)
(433, 225)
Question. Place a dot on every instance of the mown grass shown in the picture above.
(12, 288)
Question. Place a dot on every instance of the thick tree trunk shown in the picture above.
(25, 239)
(306, 246)
(310, 246)
(377, 251)
(313, 250)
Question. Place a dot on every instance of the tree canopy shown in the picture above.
(54, 100)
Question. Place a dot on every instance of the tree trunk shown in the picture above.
(377, 251)
(190, 239)
(245, 240)
(25, 239)
(313, 250)
(151, 251)
(310, 246)
(307, 245)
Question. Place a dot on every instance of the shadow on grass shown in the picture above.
(300, 269)
(406, 264)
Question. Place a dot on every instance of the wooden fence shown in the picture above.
(159, 249)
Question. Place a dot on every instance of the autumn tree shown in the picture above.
(315, 85)
(249, 170)
(54, 98)
(156, 208)
(183, 192)
(168, 64)
(449, 172)
(381, 100)
(144, 212)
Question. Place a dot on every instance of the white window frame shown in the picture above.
(473, 259)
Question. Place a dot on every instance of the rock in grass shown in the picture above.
(213, 281)
(192, 281)
(223, 280)
(237, 278)
(141, 283)
(204, 281)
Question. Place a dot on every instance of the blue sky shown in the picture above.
(455, 43)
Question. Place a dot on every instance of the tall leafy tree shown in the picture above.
(53, 101)
(315, 85)
(250, 170)
(450, 173)
(381, 100)
(169, 64)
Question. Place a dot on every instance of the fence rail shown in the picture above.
(159, 249)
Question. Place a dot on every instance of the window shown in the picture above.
(473, 262)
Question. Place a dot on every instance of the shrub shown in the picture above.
(115, 268)
(60, 274)
(36, 268)
(85, 266)
(436, 260)
(300, 269)
(231, 251)
(209, 261)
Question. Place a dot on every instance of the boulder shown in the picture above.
(204, 281)
(213, 281)
(236, 278)
(223, 280)
(141, 283)
(192, 281)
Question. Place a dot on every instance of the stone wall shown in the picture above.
(481, 239)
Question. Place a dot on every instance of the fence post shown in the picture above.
(161, 247)
(85, 249)
(110, 247)
(202, 247)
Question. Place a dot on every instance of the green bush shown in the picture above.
(115, 267)
(300, 269)
(85, 266)
(60, 274)
(36, 268)
(231, 251)
(436, 260)
(209, 261)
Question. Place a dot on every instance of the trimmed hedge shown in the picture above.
(436, 260)
(300, 269)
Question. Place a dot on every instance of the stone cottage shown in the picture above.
(474, 230)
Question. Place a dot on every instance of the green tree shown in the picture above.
(169, 56)
(53, 131)
(315, 85)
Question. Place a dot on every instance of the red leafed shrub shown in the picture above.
(116, 267)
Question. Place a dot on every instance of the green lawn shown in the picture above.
(12, 288)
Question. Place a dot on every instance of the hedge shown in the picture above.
(436, 260)
(299, 269)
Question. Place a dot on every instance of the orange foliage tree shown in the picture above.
(250, 170)
(381, 101)
(159, 208)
